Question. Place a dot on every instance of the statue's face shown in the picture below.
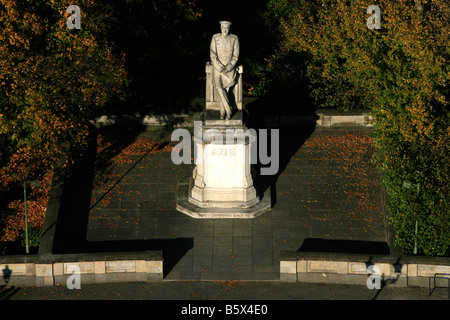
(225, 30)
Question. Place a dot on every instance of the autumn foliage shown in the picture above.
(13, 221)
(402, 74)
(111, 172)
(52, 82)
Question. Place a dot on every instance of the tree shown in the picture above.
(401, 73)
(53, 81)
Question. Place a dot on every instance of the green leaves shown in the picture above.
(400, 74)
(54, 81)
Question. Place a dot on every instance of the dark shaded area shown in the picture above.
(286, 106)
(166, 50)
(165, 55)
(7, 293)
(288, 90)
(7, 196)
(117, 137)
(16, 247)
(173, 249)
(292, 134)
(75, 205)
(344, 246)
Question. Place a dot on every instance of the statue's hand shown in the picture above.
(226, 68)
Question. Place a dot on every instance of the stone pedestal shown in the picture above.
(222, 176)
(221, 185)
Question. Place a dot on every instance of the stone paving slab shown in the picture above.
(313, 201)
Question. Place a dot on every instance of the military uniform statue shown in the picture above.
(224, 54)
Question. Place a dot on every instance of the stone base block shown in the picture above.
(222, 198)
(261, 206)
(211, 119)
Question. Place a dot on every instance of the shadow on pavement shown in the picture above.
(173, 249)
(7, 293)
(75, 205)
(294, 128)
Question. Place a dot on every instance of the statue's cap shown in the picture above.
(225, 23)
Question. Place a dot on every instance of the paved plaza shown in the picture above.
(321, 200)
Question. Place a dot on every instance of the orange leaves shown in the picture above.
(34, 146)
(348, 58)
(14, 222)
(138, 148)
(53, 89)
(107, 179)
(343, 149)
(345, 143)
(350, 171)
(142, 145)
(401, 74)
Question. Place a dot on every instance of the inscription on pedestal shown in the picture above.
(224, 166)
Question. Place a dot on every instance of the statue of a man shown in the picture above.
(224, 54)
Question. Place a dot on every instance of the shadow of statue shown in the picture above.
(293, 130)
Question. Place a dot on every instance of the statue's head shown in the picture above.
(225, 27)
